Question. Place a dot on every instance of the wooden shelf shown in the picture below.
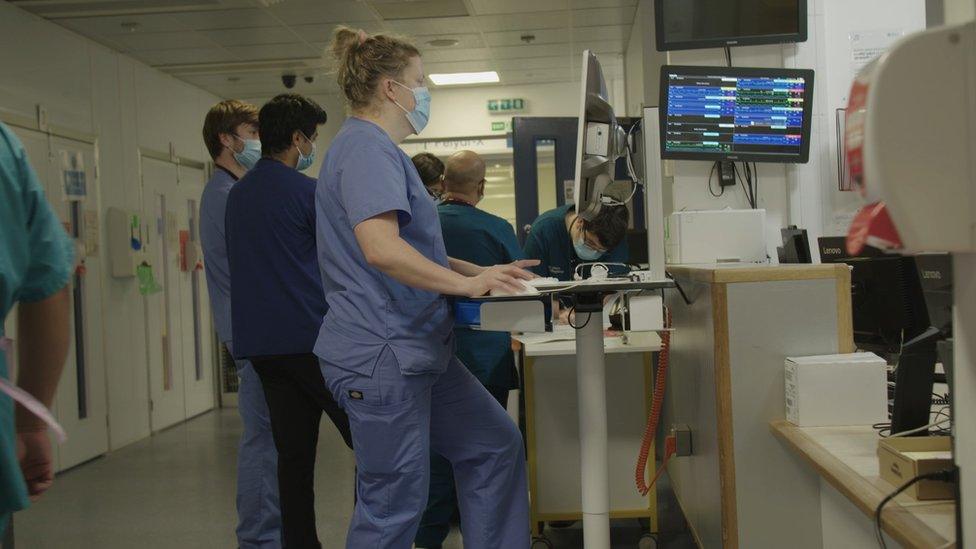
(846, 457)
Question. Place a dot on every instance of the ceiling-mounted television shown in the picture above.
(693, 24)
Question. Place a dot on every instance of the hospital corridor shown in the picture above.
(487, 274)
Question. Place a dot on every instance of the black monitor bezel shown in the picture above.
(750, 40)
(694, 70)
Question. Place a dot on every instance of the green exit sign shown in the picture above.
(498, 126)
(506, 105)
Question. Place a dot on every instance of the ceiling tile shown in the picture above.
(536, 75)
(321, 32)
(465, 41)
(562, 61)
(113, 25)
(227, 19)
(603, 17)
(435, 55)
(275, 51)
(143, 41)
(253, 36)
(391, 10)
(435, 25)
(497, 7)
(181, 57)
(559, 36)
(319, 11)
(524, 21)
(525, 50)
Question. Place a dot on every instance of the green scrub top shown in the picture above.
(36, 257)
(484, 239)
(549, 242)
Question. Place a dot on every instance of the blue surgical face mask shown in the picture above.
(250, 154)
(420, 114)
(304, 162)
(583, 250)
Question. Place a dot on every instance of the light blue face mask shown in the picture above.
(305, 162)
(420, 114)
(250, 154)
(583, 250)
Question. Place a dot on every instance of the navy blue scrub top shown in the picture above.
(550, 242)
(277, 302)
(484, 239)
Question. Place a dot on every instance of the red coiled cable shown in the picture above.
(662, 369)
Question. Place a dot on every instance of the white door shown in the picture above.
(197, 331)
(68, 172)
(164, 354)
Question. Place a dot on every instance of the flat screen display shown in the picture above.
(738, 114)
(691, 24)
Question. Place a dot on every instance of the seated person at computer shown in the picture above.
(561, 240)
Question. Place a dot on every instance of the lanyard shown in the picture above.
(26, 399)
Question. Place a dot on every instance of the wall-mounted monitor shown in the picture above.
(735, 114)
(692, 24)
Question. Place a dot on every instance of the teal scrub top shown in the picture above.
(550, 243)
(479, 237)
(35, 262)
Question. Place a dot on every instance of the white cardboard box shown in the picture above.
(836, 390)
(715, 236)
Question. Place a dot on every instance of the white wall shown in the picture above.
(959, 11)
(127, 105)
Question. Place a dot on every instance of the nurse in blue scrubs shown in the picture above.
(386, 346)
(476, 236)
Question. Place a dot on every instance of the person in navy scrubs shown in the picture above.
(277, 303)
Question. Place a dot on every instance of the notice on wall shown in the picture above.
(73, 175)
(91, 233)
(866, 46)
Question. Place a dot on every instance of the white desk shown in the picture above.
(552, 429)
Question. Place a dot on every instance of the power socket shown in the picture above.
(682, 438)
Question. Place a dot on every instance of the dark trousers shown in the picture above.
(442, 498)
(297, 396)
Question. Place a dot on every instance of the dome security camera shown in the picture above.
(309, 79)
(288, 80)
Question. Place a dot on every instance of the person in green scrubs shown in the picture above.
(476, 236)
(36, 258)
(561, 240)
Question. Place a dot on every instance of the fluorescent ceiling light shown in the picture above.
(455, 78)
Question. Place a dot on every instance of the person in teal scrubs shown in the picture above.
(561, 240)
(478, 237)
(36, 258)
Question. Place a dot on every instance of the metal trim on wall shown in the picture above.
(29, 123)
(178, 160)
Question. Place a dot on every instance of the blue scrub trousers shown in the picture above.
(258, 513)
(442, 498)
(397, 420)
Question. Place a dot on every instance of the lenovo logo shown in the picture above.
(831, 251)
(932, 275)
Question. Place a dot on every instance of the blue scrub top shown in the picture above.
(364, 175)
(484, 239)
(36, 257)
(276, 298)
(549, 242)
(213, 206)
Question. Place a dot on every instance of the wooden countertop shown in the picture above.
(748, 272)
(847, 458)
(564, 345)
